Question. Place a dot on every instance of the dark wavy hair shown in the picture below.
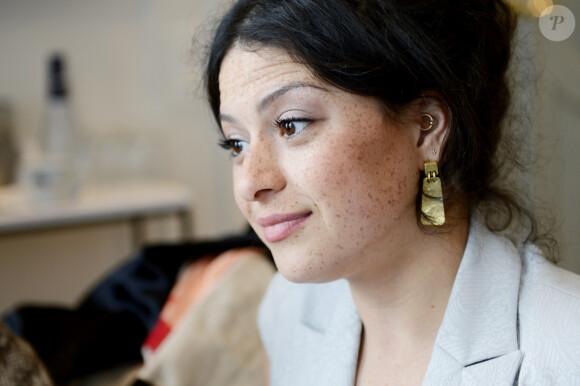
(396, 51)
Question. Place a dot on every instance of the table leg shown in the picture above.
(186, 224)
(137, 232)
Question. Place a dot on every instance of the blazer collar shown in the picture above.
(477, 342)
(331, 326)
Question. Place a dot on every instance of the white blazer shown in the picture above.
(513, 318)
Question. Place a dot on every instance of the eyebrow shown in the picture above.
(270, 98)
(227, 118)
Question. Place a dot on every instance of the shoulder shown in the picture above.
(544, 286)
(549, 320)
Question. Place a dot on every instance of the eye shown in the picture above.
(237, 146)
(293, 126)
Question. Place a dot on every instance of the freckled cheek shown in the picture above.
(324, 174)
(361, 184)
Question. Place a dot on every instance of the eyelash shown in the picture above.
(279, 123)
(230, 144)
(233, 144)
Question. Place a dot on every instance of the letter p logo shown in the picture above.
(557, 20)
(557, 23)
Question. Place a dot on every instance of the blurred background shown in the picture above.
(149, 141)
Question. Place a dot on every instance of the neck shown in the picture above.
(402, 302)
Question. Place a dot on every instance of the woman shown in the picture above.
(365, 138)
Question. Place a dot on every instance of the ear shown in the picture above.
(430, 125)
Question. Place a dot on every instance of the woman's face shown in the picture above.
(327, 181)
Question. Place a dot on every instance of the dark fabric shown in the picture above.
(140, 382)
(74, 343)
(111, 322)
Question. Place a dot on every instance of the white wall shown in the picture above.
(133, 76)
(548, 128)
(558, 123)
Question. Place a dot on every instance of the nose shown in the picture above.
(259, 175)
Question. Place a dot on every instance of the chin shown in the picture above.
(297, 277)
(299, 270)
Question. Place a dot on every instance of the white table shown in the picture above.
(124, 201)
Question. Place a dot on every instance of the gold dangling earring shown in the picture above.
(432, 210)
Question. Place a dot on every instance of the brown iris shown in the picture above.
(287, 128)
(236, 146)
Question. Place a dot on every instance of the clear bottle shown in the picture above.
(54, 158)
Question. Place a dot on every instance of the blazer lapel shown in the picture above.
(477, 342)
(333, 336)
(502, 370)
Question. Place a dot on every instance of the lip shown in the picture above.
(277, 227)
